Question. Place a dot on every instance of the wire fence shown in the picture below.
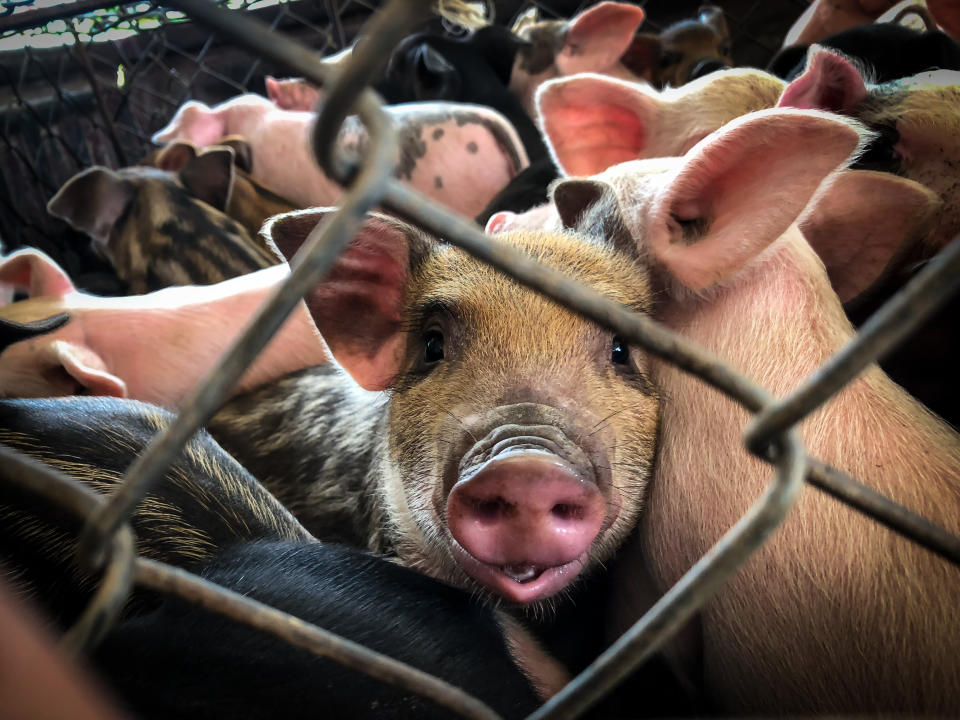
(105, 540)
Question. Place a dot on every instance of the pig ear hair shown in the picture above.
(359, 306)
(862, 222)
(829, 82)
(209, 177)
(242, 151)
(36, 271)
(92, 202)
(741, 187)
(596, 38)
(174, 156)
(592, 122)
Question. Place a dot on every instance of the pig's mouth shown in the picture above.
(522, 583)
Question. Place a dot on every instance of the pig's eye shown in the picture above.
(432, 346)
(619, 352)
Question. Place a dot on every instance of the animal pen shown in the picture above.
(87, 82)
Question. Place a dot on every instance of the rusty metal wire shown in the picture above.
(769, 434)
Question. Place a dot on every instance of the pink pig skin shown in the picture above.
(457, 154)
(834, 614)
(152, 347)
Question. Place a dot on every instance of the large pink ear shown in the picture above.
(741, 187)
(596, 38)
(34, 271)
(359, 306)
(92, 202)
(830, 82)
(861, 222)
(592, 122)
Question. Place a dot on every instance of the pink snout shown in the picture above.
(526, 523)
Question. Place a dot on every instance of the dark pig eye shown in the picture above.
(619, 352)
(432, 346)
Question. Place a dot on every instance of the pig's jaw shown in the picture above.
(522, 584)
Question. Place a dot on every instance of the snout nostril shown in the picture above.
(489, 509)
(567, 511)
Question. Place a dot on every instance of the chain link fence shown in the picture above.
(94, 101)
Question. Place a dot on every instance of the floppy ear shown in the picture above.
(359, 306)
(740, 188)
(596, 38)
(209, 177)
(830, 82)
(34, 271)
(592, 122)
(861, 222)
(92, 202)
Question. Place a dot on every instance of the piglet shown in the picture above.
(457, 154)
(834, 614)
(152, 347)
(161, 228)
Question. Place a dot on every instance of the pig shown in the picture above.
(157, 233)
(206, 502)
(825, 18)
(249, 202)
(221, 668)
(152, 347)
(834, 614)
(916, 119)
(684, 50)
(475, 466)
(457, 154)
(593, 41)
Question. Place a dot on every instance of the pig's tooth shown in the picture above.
(521, 573)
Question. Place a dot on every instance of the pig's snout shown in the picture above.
(525, 523)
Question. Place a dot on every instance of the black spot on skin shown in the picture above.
(438, 133)
(438, 182)
(472, 148)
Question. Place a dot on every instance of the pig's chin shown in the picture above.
(521, 584)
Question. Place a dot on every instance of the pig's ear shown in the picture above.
(741, 187)
(34, 271)
(83, 366)
(590, 207)
(861, 222)
(592, 122)
(242, 151)
(830, 82)
(712, 16)
(273, 90)
(92, 202)
(359, 306)
(498, 220)
(195, 122)
(209, 177)
(596, 38)
(175, 155)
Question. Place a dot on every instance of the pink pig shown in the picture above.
(152, 347)
(457, 154)
(834, 614)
